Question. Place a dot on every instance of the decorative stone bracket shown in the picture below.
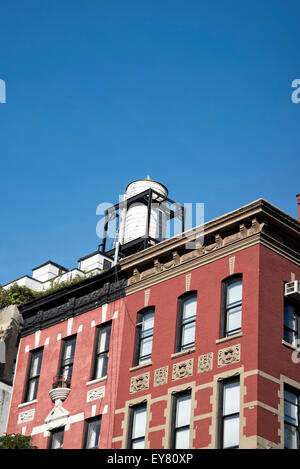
(58, 416)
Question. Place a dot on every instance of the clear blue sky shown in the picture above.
(195, 93)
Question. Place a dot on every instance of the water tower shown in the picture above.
(142, 218)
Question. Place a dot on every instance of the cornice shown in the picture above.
(258, 222)
(220, 224)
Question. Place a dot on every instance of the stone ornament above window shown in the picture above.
(205, 362)
(95, 394)
(26, 416)
(229, 355)
(139, 382)
(182, 369)
(161, 376)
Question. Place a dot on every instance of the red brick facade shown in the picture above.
(244, 243)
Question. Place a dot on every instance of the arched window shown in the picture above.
(232, 306)
(144, 336)
(186, 324)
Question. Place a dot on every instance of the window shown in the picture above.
(67, 357)
(144, 336)
(181, 416)
(137, 427)
(291, 418)
(101, 353)
(187, 309)
(33, 375)
(232, 307)
(56, 438)
(291, 323)
(92, 433)
(229, 413)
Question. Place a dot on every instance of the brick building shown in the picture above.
(172, 347)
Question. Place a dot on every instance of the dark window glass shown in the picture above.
(93, 427)
(181, 416)
(291, 419)
(291, 323)
(187, 309)
(102, 351)
(144, 336)
(56, 439)
(33, 375)
(67, 358)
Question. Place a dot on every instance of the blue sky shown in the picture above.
(194, 93)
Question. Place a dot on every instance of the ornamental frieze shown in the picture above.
(205, 362)
(161, 265)
(229, 355)
(182, 369)
(139, 383)
(161, 376)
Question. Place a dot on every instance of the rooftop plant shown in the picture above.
(18, 295)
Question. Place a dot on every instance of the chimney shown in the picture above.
(298, 198)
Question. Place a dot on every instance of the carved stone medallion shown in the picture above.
(139, 383)
(182, 369)
(161, 376)
(205, 362)
(229, 355)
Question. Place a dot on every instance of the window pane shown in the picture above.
(182, 438)
(290, 317)
(234, 319)
(183, 411)
(93, 434)
(148, 322)
(57, 439)
(146, 347)
(290, 437)
(66, 372)
(234, 292)
(36, 364)
(68, 351)
(138, 444)
(231, 398)
(32, 390)
(101, 366)
(231, 432)
(139, 423)
(291, 408)
(188, 334)
(103, 342)
(290, 337)
(189, 308)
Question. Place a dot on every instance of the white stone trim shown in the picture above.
(24, 404)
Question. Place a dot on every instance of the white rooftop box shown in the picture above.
(95, 261)
(292, 290)
(47, 271)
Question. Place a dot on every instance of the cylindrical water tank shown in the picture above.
(134, 220)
